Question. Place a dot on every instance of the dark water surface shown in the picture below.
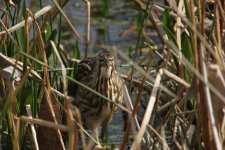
(104, 30)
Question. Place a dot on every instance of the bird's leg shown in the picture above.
(125, 119)
(104, 132)
(105, 125)
(91, 143)
(95, 130)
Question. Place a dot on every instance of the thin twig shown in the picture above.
(68, 103)
(178, 34)
(164, 138)
(145, 74)
(88, 25)
(129, 105)
(159, 136)
(176, 78)
(30, 19)
(189, 94)
(68, 20)
(82, 131)
(29, 113)
(17, 135)
(148, 112)
(47, 88)
(206, 89)
(81, 127)
(45, 123)
(134, 112)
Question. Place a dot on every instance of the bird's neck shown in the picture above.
(104, 86)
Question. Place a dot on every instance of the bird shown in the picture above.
(98, 73)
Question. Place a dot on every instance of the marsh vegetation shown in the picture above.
(170, 55)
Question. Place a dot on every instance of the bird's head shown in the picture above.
(106, 63)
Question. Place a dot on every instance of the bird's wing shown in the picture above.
(85, 75)
(86, 68)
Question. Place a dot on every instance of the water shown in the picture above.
(105, 31)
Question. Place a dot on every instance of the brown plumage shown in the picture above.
(98, 73)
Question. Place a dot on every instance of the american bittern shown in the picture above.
(98, 73)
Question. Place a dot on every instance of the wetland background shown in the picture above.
(169, 53)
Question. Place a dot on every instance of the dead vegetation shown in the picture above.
(174, 91)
